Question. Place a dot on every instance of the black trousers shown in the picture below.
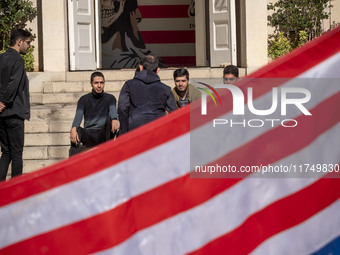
(12, 130)
(91, 137)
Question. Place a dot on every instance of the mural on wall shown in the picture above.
(167, 30)
(122, 44)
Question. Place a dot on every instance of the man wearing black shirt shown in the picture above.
(14, 102)
(100, 116)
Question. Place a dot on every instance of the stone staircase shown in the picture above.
(53, 105)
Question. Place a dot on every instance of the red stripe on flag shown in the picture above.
(163, 11)
(179, 61)
(180, 36)
(163, 202)
(138, 213)
(111, 153)
(275, 218)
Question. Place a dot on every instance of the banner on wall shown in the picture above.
(131, 29)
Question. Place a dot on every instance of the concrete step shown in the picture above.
(113, 87)
(30, 166)
(60, 98)
(75, 87)
(47, 139)
(69, 87)
(44, 126)
(53, 112)
(164, 74)
(45, 152)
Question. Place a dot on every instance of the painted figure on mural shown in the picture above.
(191, 11)
(122, 44)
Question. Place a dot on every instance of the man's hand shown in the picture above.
(74, 135)
(115, 126)
(2, 106)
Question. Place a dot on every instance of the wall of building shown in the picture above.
(51, 42)
(251, 34)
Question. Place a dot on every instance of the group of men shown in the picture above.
(142, 100)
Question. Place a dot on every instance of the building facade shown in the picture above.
(77, 35)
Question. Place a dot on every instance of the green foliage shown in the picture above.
(29, 59)
(15, 14)
(303, 38)
(279, 46)
(299, 21)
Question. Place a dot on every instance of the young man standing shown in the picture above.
(100, 117)
(14, 102)
(184, 93)
(144, 98)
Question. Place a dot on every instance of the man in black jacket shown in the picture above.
(100, 117)
(144, 98)
(14, 102)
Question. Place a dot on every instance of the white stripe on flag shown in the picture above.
(142, 173)
(306, 238)
(328, 69)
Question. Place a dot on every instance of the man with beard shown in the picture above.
(184, 93)
(100, 117)
(14, 102)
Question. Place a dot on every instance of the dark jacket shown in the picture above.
(143, 99)
(14, 89)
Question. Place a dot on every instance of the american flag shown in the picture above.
(135, 195)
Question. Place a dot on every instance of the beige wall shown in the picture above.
(55, 35)
(51, 42)
(34, 26)
(253, 34)
(335, 12)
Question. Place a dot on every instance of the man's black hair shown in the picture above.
(96, 74)
(19, 34)
(150, 62)
(231, 69)
(181, 72)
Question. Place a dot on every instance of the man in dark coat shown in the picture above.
(144, 98)
(14, 102)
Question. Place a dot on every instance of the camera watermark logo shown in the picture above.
(281, 99)
(204, 96)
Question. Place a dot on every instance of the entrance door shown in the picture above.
(82, 34)
(222, 32)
